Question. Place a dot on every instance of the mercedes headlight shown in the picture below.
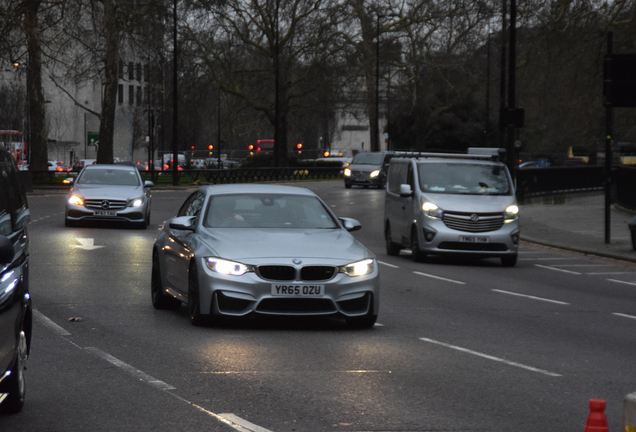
(75, 200)
(511, 213)
(358, 268)
(225, 267)
(136, 202)
(432, 211)
(374, 173)
(347, 172)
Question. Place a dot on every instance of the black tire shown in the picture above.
(69, 223)
(159, 298)
(417, 254)
(347, 185)
(15, 384)
(509, 260)
(141, 225)
(392, 248)
(634, 239)
(148, 219)
(194, 302)
(362, 322)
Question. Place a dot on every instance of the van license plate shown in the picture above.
(474, 239)
(293, 290)
(105, 213)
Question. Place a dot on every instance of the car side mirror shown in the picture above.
(148, 184)
(185, 223)
(405, 190)
(69, 180)
(350, 224)
(6, 250)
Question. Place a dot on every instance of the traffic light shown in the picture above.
(299, 146)
(251, 147)
(192, 148)
(210, 147)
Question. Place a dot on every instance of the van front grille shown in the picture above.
(474, 222)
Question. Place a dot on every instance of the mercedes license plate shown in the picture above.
(474, 239)
(105, 213)
(299, 290)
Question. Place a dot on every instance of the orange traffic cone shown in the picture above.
(596, 420)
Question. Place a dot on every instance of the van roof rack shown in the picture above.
(478, 156)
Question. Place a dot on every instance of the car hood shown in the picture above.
(364, 167)
(471, 203)
(244, 244)
(108, 191)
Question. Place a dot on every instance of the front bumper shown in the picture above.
(447, 241)
(250, 294)
(128, 214)
(363, 179)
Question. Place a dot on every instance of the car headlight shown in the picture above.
(432, 211)
(75, 200)
(226, 267)
(358, 268)
(136, 202)
(374, 173)
(511, 213)
(347, 172)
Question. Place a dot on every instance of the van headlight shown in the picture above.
(347, 172)
(432, 211)
(511, 214)
(228, 268)
(358, 268)
(374, 173)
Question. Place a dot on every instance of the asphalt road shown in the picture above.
(461, 345)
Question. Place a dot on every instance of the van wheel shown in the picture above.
(417, 254)
(509, 260)
(348, 186)
(392, 248)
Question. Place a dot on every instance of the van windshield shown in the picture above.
(368, 158)
(466, 179)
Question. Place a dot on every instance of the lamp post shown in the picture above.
(375, 142)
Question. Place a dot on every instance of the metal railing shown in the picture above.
(554, 180)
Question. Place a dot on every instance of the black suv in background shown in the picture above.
(368, 169)
(15, 302)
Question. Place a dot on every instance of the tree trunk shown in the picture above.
(109, 98)
(37, 123)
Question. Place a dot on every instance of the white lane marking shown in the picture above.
(440, 278)
(128, 368)
(87, 244)
(378, 325)
(557, 269)
(50, 324)
(546, 259)
(623, 282)
(387, 264)
(243, 423)
(609, 273)
(623, 315)
(531, 297)
(489, 357)
(583, 265)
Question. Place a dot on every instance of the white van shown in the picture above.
(451, 205)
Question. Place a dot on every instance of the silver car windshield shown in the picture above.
(267, 211)
(368, 159)
(109, 177)
(467, 179)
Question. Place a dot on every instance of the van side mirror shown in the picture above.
(405, 190)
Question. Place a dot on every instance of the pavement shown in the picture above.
(576, 222)
(573, 222)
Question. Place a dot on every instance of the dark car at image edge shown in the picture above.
(15, 301)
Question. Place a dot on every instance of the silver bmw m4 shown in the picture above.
(243, 250)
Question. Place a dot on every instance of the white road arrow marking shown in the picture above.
(87, 244)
